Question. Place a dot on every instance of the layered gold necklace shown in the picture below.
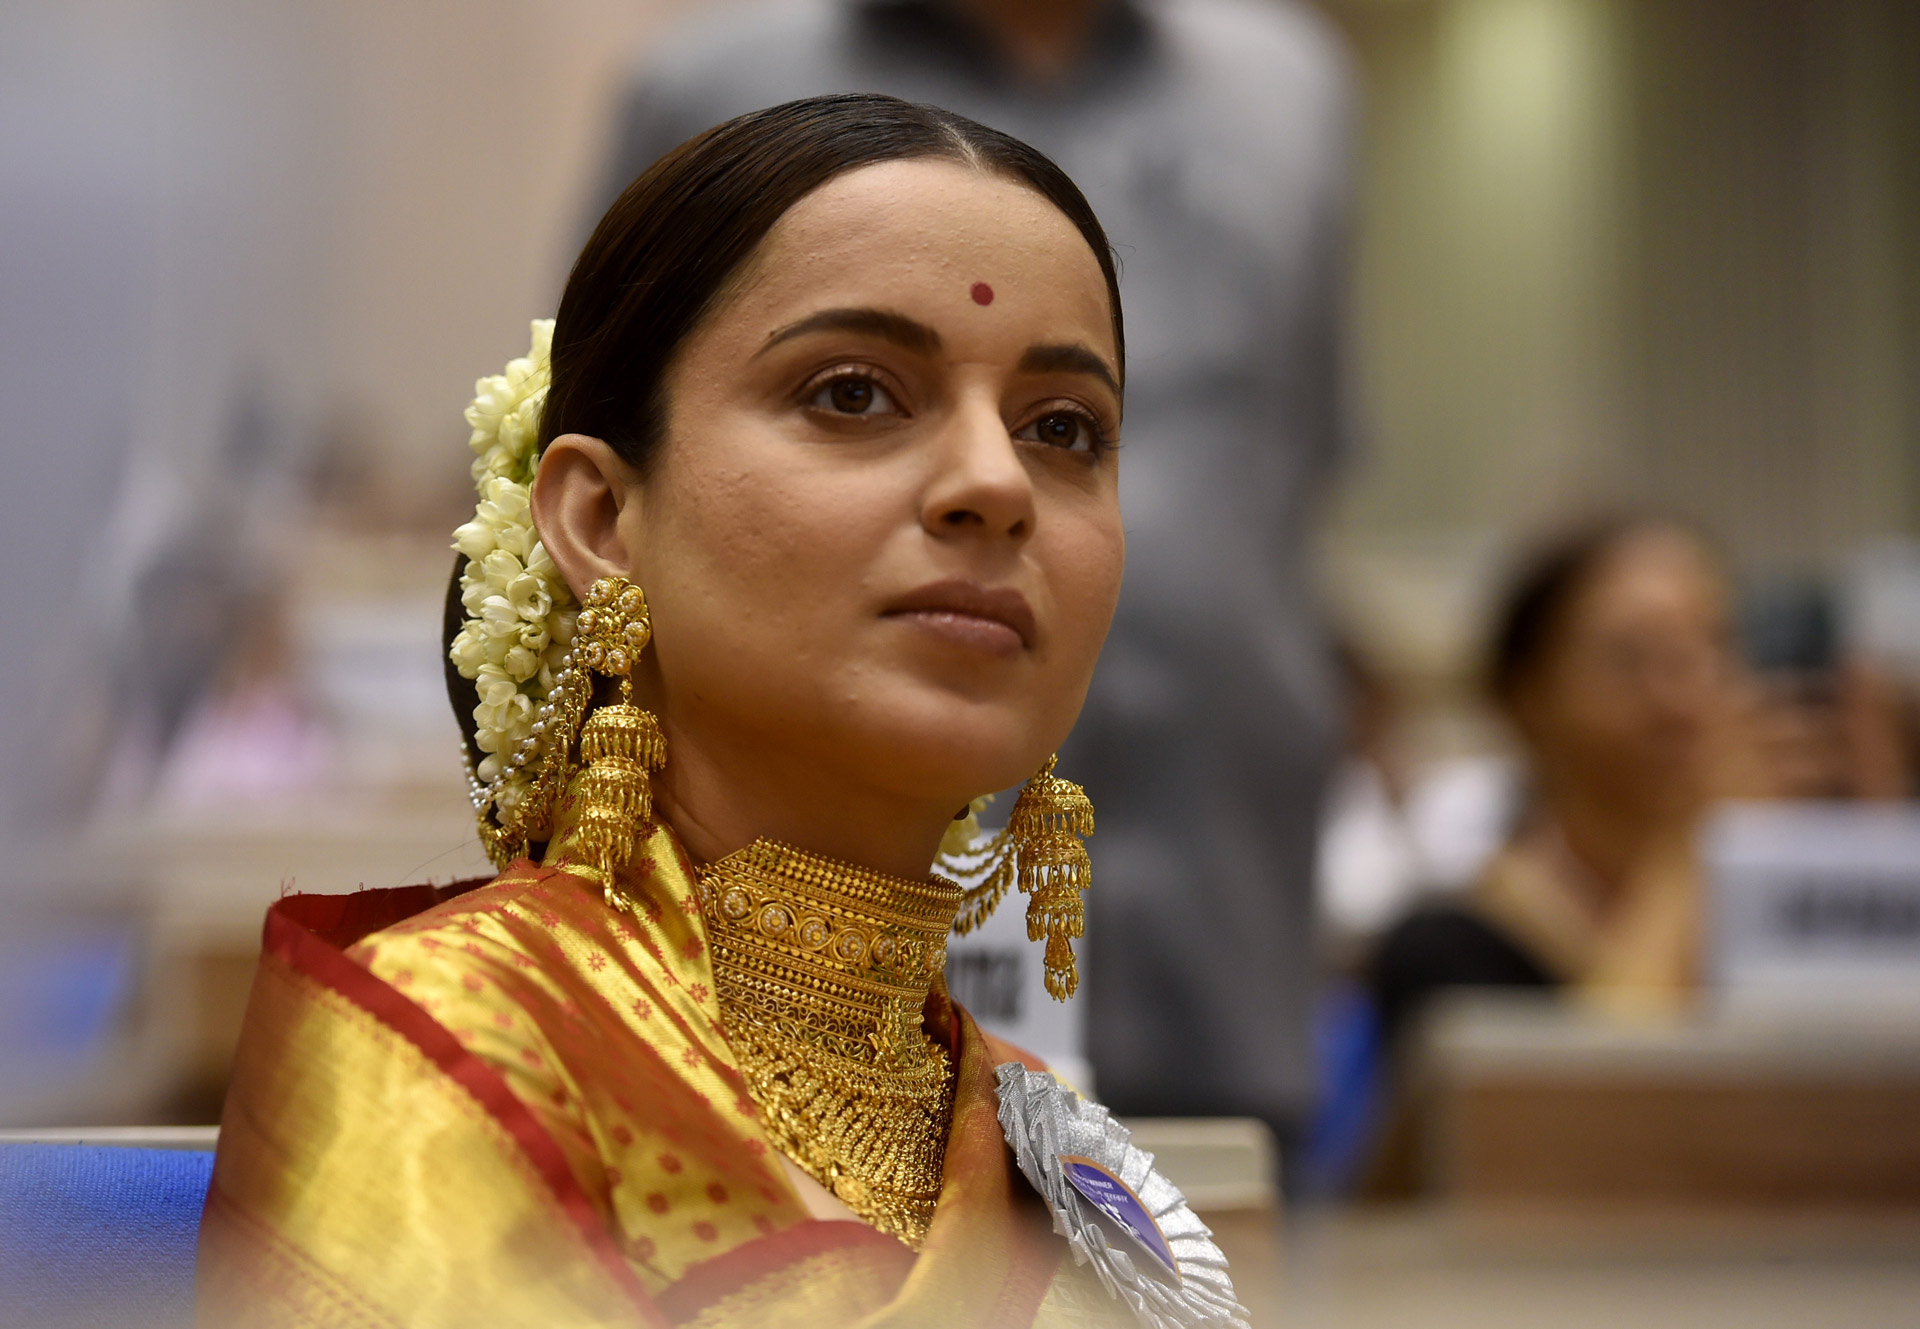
(821, 971)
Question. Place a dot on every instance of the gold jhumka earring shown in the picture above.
(620, 744)
(1041, 848)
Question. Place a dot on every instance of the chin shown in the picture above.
(954, 750)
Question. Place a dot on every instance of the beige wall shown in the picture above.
(360, 205)
(1776, 231)
(469, 131)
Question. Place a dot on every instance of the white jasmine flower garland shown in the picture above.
(520, 614)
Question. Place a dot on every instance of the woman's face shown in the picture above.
(882, 537)
(1639, 678)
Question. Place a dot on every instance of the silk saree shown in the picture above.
(511, 1103)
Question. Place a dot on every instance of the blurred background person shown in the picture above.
(1614, 659)
(1617, 659)
(1212, 135)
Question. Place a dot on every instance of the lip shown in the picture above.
(957, 600)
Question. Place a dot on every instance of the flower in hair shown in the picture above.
(505, 414)
(520, 615)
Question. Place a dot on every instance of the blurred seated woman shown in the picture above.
(839, 385)
(1614, 660)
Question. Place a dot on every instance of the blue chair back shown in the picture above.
(98, 1235)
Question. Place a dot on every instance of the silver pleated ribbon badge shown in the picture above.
(1117, 1213)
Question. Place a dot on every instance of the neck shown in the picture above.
(720, 796)
(1041, 37)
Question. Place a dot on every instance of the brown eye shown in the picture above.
(851, 394)
(1063, 429)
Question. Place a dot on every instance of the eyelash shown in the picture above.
(1100, 442)
(819, 383)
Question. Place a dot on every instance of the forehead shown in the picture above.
(916, 236)
(1655, 571)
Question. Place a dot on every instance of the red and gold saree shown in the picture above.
(514, 1104)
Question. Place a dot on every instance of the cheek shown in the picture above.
(753, 556)
(1086, 563)
(1614, 726)
(1567, 718)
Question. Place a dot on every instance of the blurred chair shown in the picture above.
(101, 1233)
(70, 987)
(1350, 1051)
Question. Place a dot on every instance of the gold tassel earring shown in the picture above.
(621, 744)
(1041, 848)
(1048, 822)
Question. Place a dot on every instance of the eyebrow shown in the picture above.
(884, 324)
(1071, 359)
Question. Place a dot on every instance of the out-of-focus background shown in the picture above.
(1651, 258)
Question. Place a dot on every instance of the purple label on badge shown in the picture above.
(1114, 1198)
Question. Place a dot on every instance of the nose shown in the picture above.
(979, 486)
(1682, 679)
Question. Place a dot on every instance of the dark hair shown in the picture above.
(663, 256)
(1535, 606)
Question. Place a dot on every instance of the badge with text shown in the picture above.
(1114, 1198)
(1085, 1166)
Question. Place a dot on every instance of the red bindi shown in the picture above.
(982, 293)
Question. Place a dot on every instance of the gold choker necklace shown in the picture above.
(821, 971)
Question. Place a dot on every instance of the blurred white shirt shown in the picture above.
(1379, 857)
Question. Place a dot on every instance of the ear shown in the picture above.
(578, 494)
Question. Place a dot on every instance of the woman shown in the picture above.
(1614, 661)
(812, 540)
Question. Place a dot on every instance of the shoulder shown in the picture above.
(523, 887)
(604, 1024)
(509, 967)
(485, 968)
(724, 36)
(346, 1084)
(1452, 945)
(1293, 51)
(734, 58)
(455, 936)
(727, 60)
(1444, 947)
